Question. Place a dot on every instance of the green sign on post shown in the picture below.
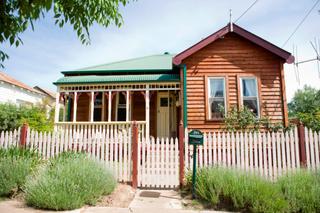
(195, 138)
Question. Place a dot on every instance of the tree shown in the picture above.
(305, 106)
(17, 15)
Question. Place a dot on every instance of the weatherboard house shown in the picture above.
(231, 67)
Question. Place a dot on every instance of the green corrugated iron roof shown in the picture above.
(143, 64)
(95, 79)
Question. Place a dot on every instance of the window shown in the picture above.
(249, 94)
(97, 107)
(216, 98)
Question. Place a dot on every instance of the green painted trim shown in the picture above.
(117, 82)
(93, 79)
(185, 102)
(114, 71)
(69, 109)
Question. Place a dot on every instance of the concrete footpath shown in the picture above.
(155, 201)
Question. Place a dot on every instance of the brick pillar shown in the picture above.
(134, 155)
(181, 153)
(302, 145)
(23, 135)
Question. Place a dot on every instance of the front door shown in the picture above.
(163, 114)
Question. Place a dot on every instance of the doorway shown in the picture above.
(163, 128)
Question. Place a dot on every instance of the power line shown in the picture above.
(301, 22)
(246, 10)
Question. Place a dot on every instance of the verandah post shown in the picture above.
(23, 135)
(302, 145)
(134, 155)
(181, 153)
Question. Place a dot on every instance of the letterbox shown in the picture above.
(195, 137)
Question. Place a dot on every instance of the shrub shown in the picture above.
(246, 192)
(302, 190)
(15, 165)
(243, 119)
(68, 181)
(12, 116)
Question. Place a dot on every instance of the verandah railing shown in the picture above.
(92, 127)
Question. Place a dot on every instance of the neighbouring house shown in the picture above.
(231, 67)
(16, 92)
(51, 96)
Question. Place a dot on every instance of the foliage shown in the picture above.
(243, 119)
(239, 191)
(302, 190)
(15, 165)
(305, 106)
(17, 16)
(12, 116)
(68, 181)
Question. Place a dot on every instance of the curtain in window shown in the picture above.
(249, 87)
(216, 87)
(216, 99)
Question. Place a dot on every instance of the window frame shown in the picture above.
(207, 96)
(117, 105)
(257, 82)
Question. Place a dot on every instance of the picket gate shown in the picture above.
(158, 163)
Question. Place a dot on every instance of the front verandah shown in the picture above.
(156, 106)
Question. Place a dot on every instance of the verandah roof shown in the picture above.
(147, 64)
(94, 79)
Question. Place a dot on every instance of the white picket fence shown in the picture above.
(158, 165)
(9, 138)
(268, 154)
(312, 149)
(111, 147)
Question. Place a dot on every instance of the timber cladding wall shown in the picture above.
(232, 57)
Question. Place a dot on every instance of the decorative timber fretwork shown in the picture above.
(119, 87)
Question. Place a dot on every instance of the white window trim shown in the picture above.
(117, 107)
(250, 97)
(224, 95)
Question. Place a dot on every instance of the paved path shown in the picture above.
(156, 199)
(145, 201)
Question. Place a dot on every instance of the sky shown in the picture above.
(154, 27)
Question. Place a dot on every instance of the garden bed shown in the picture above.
(66, 182)
(226, 189)
(120, 197)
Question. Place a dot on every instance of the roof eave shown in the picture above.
(177, 60)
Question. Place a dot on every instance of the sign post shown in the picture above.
(195, 139)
